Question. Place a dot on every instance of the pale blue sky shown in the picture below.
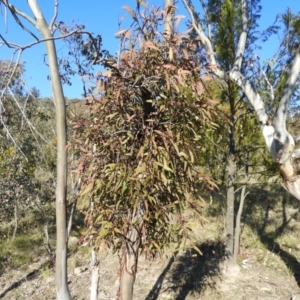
(101, 17)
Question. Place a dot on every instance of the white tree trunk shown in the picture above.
(95, 276)
(62, 290)
(279, 142)
(169, 21)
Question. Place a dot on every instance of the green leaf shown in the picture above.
(163, 166)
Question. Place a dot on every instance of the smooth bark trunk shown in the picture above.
(62, 290)
(229, 243)
(169, 21)
(40, 23)
(129, 261)
(95, 276)
(238, 225)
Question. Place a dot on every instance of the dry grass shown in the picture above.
(268, 263)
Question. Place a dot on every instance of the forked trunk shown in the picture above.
(129, 261)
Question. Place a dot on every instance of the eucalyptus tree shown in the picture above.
(47, 32)
(279, 142)
(138, 147)
(224, 23)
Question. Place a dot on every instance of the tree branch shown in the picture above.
(282, 110)
(243, 38)
(207, 18)
(15, 11)
(52, 23)
(16, 46)
(252, 95)
(204, 39)
(35, 8)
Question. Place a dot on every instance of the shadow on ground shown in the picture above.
(190, 272)
(30, 276)
(274, 213)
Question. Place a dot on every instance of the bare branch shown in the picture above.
(207, 18)
(16, 46)
(15, 11)
(281, 114)
(204, 39)
(52, 23)
(268, 84)
(260, 70)
(243, 38)
(12, 73)
(252, 95)
(5, 42)
(13, 141)
(31, 127)
(5, 18)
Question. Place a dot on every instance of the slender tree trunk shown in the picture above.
(129, 261)
(169, 22)
(95, 276)
(16, 218)
(62, 290)
(61, 187)
(75, 188)
(229, 243)
(47, 243)
(238, 225)
(71, 217)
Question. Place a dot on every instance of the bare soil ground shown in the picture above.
(188, 276)
(268, 266)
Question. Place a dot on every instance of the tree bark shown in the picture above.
(278, 140)
(62, 290)
(129, 261)
(169, 21)
(238, 225)
(71, 217)
(229, 230)
(95, 276)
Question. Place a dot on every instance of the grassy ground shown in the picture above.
(268, 263)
